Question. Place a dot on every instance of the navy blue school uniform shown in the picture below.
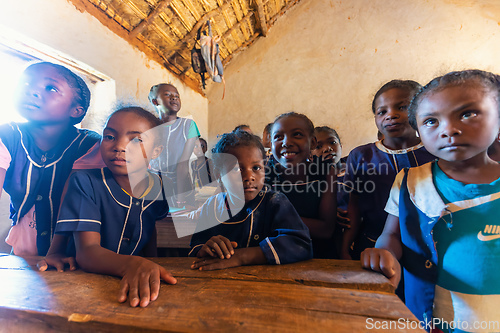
(96, 202)
(268, 221)
(36, 178)
(370, 173)
(202, 174)
(305, 197)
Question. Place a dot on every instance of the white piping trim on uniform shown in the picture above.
(195, 248)
(109, 190)
(48, 165)
(251, 229)
(383, 148)
(166, 154)
(276, 258)
(140, 223)
(395, 162)
(50, 201)
(28, 187)
(157, 194)
(83, 139)
(64, 152)
(124, 226)
(79, 220)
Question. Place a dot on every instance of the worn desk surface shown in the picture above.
(316, 295)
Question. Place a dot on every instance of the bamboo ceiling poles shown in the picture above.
(154, 13)
(165, 29)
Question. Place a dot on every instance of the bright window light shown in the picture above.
(11, 67)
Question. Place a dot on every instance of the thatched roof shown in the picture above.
(166, 29)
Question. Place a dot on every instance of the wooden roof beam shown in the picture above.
(151, 17)
(261, 17)
(115, 27)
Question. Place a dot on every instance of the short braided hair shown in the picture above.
(80, 88)
(228, 141)
(488, 80)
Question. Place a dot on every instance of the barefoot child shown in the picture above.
(443, 216)
(37, 157)
(309, 185)
(266, 230)
(371, 168)
(112, 211)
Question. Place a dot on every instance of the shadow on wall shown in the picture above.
(4, 222)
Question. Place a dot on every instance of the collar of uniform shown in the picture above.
(383, 148)
(114, 189)
(422, 191)
(39, 157)
(155, 190)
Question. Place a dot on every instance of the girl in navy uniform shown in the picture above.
(112, 211)
(266, 230)
(308, 182)
(372, 168)
(37, 157)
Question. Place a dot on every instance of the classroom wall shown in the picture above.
(59, 25)
(327, 58)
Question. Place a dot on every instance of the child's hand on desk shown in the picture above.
(58, 261)
(211, 264)
(241, 257)
(217, 246)
(141, 281)
(381, 260)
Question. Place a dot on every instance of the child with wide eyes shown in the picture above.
(310, 185)
(443, 216)
(264, 228)
(372, 168)
(111, 212)
(37, 157)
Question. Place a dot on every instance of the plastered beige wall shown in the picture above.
(327, 58)
(59, 25)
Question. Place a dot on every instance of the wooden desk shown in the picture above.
(166, 234)
(312, 296)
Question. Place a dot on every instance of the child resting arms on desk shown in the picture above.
(251, 224)
(112, 211)
(443, 216)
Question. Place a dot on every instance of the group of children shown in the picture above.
(423, 196)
